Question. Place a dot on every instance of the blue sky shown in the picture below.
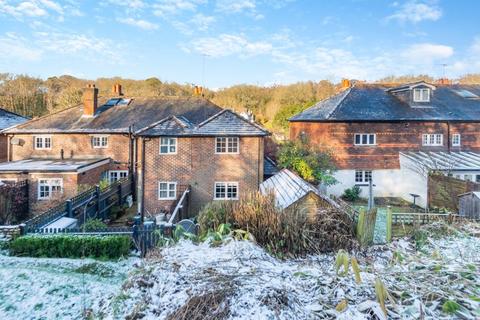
(261, 42)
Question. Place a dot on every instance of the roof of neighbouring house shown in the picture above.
(288, 188)
(269, 167)
(443, 161)
(9, 119)
(52, 165)
(377, 102)
(223, 123)
(139, 112)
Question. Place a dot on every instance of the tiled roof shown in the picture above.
(223, 123)
(140, 112)
(9, 119)
(288, 188)
(269, 167)
(460, 161)
(374, 102)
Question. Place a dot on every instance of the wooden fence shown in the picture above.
(13, 202)
(93, 203)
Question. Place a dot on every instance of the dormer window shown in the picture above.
(421, 95)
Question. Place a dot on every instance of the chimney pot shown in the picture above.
(90, 100)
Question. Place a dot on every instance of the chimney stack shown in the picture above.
(346, 83)
(444, 81)
(117, 90)
(90, 100)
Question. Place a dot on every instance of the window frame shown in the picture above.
(43, 142)
(226, 184)
(168, 190)
(363, 176)
(430, 139)
(459, 142)
(100, 137)
(168, 145)
(361, 135)
(228, 141)
(119, 172)
(421, 97)
(49, 185)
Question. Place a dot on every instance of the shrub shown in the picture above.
(212, 216)
(312, 165)
(94, 224)
(71, 246)
(352, 194)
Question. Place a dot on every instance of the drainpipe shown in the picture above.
(9, 147)
(142, 194)
(448, 136)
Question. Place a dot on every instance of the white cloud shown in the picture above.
(143, 24)
(132, 4)
(202, 22)
(416, 11)
(427, 52)
(84, 45)
(235, 6)
(26, 8)
(13, 46)
(228, 44)
(475, 47)
(172, 7)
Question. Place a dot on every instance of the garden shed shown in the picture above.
(469, 205)
(291, 191)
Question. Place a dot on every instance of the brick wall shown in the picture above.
(196, 164)
(8, 233)
(391, 139)
(80, 144)
(3, 148)
(71, 184)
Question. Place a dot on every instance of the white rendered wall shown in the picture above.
(388, 183)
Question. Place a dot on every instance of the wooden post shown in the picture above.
(97, 197)
(389, 224)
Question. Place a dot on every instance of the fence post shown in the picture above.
(389, 224)
(97, 196)
(120, 194)
(69, 208)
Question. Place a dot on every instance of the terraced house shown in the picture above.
(7, 120)
(165, 143)
(394, 135)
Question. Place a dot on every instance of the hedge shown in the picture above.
(71, 246)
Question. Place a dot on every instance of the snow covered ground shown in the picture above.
(258, 286)
(32, 288)
(242, 281)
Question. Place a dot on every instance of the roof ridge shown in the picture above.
(235, 114)
(345, 94)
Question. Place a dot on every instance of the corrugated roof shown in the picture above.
(372, 102)
(9, 119)
(459, 161)
(53, 165)
(140, 112)
(225, 122)
(288, 188)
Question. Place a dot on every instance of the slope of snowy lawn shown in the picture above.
(257, 286)
(42, 288)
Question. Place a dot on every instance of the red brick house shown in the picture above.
(7, 120)
(384, 133)
(103, 138)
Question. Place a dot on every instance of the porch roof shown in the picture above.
(446, 161)
(52, 165)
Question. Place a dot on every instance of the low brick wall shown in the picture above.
(8, 233)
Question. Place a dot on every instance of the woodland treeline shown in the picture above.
(272, 106)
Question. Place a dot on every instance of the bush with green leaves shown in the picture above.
(352, 194)
(94, 224)
(71, 246)
(311, 164)
(212, 216)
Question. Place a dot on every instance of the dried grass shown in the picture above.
(212, 305)
(290, 232)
